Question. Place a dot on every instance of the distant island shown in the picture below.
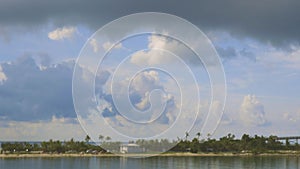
(227, 145)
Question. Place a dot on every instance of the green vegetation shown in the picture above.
(255, 145)
(228, 143)
(52, 146)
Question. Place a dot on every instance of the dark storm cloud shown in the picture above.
(274, 21)
(32, 94)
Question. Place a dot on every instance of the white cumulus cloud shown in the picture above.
(146, 81)
(155, 55)
(94, 44)
(165, 50)
(2, 75)
(62, 33)
(108, 45)
(252, 111)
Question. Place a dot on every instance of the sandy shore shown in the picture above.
(146, 155)
(54, 155)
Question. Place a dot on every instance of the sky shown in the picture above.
(258, 43)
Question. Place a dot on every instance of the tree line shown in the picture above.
(229, 143)
(252, 144)
(52, 146)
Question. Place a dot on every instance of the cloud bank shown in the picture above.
(273, 21)
(33, 94)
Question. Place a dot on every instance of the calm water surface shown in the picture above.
(153, 163)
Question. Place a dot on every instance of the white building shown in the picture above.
(131, 148)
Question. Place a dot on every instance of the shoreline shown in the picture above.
(44, 155)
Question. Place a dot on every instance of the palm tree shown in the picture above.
(186, 135)
(107, 138)
(208, 136)
(198, 135)
(87, 138)
(101, 137)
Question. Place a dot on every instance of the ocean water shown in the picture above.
(152, 163)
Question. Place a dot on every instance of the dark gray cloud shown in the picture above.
(273, 21)
(32, 94)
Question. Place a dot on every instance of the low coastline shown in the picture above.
(172, 154)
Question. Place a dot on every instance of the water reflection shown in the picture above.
(257, 162)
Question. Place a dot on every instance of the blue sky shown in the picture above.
(258, 46)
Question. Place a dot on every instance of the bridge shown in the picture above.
(287, 139)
